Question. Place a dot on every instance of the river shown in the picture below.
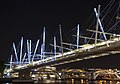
(71, 81)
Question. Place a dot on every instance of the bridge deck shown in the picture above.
(87, 52)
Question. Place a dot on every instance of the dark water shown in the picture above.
(81, 81)
(70, 81)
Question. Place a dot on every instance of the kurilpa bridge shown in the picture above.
(30, 60)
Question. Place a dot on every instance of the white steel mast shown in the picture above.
(55, 45)
(96, 34)
(35, 49)
(61, 39)
(43, 45)
(101, 27)
(77, 36)
(23, 58)
(28, 50)
(15, 52)
(21, 50)
(11, 61)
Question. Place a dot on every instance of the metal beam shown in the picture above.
(101, 27)
(44, 38)
(43, 45)
(77, 36)
(24, 58)
(11, 61)
(15, 52)
(89, 38)
(55, 46)
(61, 39)
(70, 44)
(102, 32)
(96, 34)
(35, 49)
(28, 50)
(61, 47)
(21, 46)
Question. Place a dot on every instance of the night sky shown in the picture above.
(28, 17)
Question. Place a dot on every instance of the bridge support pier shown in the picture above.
(92, 79)
(24, 74)
(63, 75)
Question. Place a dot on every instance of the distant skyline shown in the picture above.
(28, 17)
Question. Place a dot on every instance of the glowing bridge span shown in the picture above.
(88, 51)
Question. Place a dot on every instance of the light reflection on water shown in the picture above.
(72, 81)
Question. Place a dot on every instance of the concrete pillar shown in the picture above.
(92, 77)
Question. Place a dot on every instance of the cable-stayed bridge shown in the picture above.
(29, 59)
(86, 52)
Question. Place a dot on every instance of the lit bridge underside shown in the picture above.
(87, 51)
